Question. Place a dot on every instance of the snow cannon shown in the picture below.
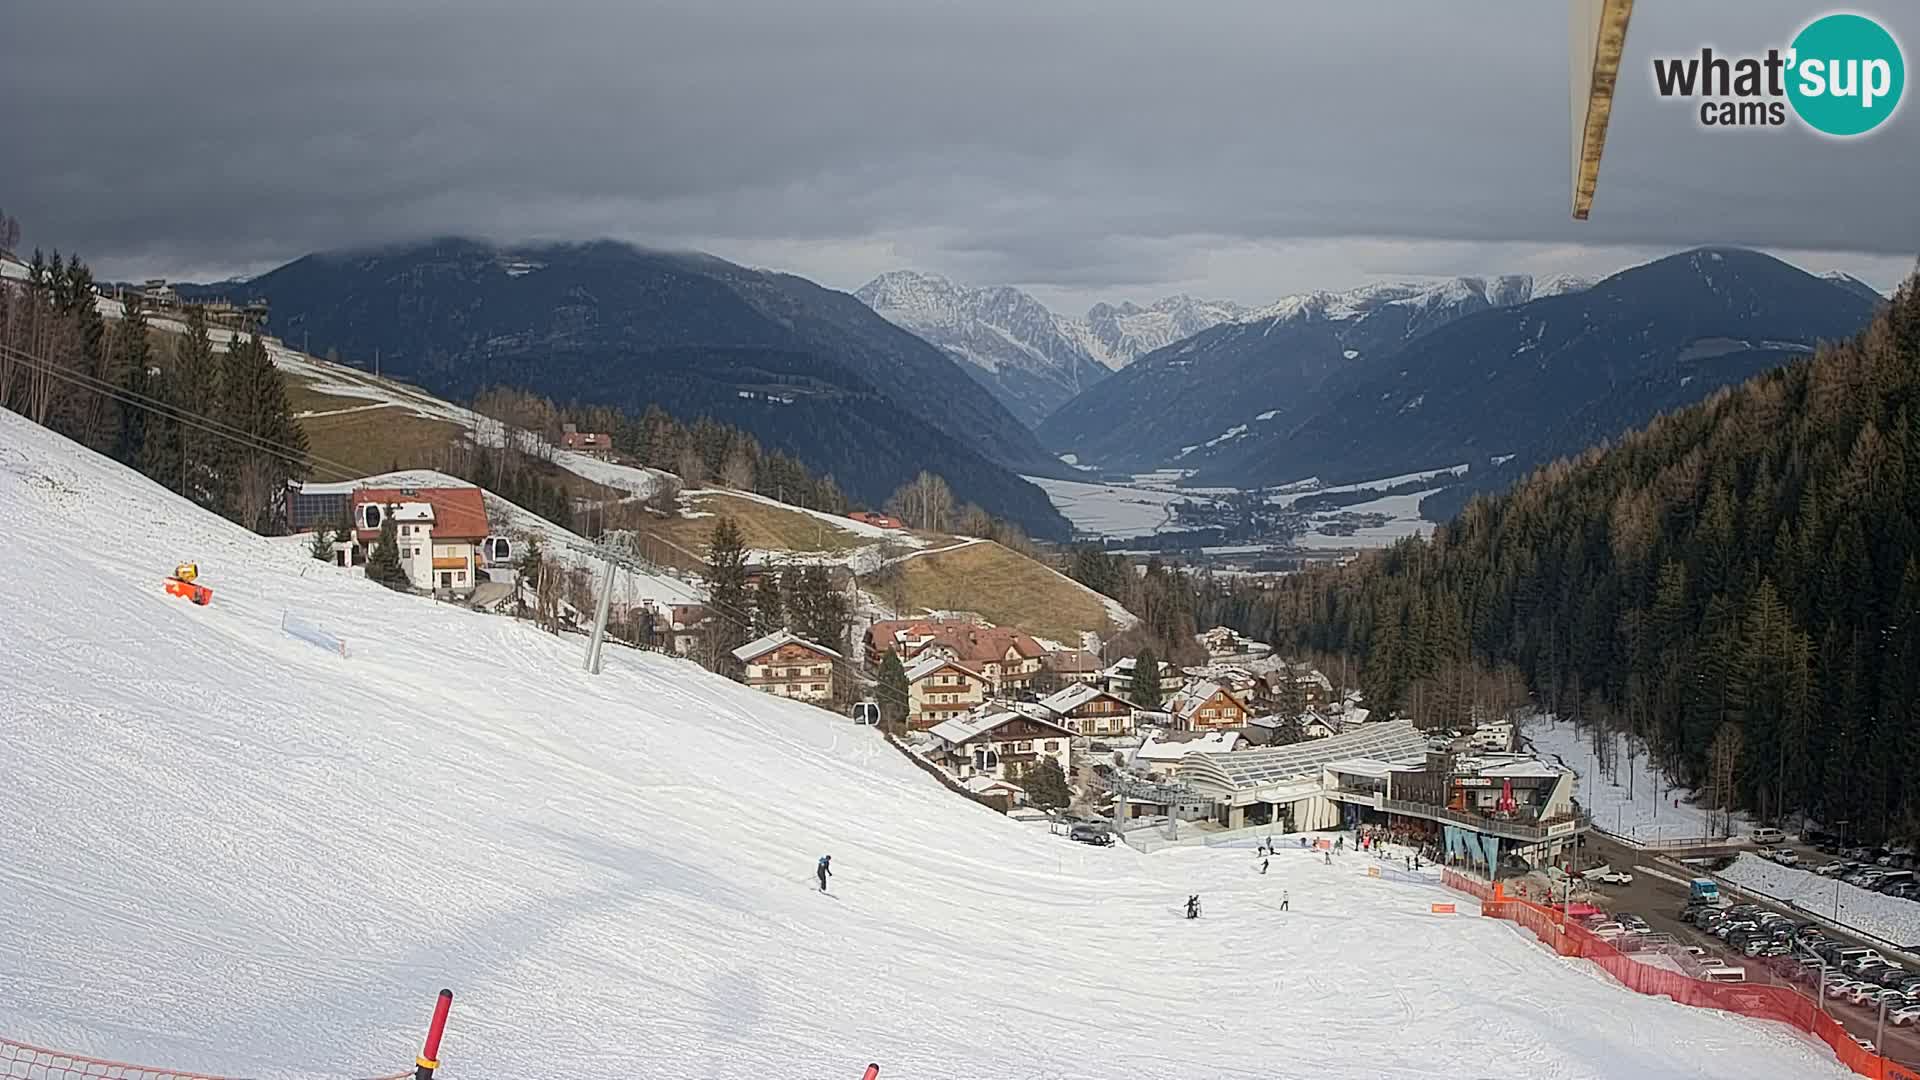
(185, 583)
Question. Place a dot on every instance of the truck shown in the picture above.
(1705, 891)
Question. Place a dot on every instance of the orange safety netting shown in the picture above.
(1781, 1003)
(19, 1061)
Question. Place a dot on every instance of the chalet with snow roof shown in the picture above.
(939, 689)
(999, 745)
(1205, 705)
(1118, 679)
(1089, 710)
(788, 666)
(439, 531)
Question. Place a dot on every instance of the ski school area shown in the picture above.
(230, 853)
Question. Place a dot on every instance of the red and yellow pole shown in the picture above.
(429, 1058)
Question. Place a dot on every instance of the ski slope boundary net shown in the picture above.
(19, 1061)
(1775, 1003)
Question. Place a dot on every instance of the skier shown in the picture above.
(1193, 906)
(1329, 856)
(1263, 864)
(1284, 898)
(824, 870)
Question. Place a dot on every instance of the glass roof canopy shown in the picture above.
(1243, 769)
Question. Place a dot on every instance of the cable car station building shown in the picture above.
(1480, 808)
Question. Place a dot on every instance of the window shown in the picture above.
(370, 515)
(1023, 748)
(460, 577)
(1053, 746)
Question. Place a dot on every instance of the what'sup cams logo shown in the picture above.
(1842, 76)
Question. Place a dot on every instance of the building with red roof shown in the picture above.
(439, 530)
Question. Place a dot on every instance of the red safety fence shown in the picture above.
(19, 1061)
(1779, 1003)
(22, 1061)
(1466, 883)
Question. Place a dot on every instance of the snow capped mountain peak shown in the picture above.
(1506, 290)
(912, 294)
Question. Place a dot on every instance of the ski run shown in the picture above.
(226, 850)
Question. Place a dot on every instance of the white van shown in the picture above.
(1767, 835)
(1725, 973)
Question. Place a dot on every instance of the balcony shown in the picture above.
(1510, 830)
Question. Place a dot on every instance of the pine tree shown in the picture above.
(133, 356)
(826, 610)
(321, 547)
(769, 609)
(1046, 784)
(892, 693)
(383, 563)
(726, 581)
(799, 603)
(194, 391)
(1146, 680)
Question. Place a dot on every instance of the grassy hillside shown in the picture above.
(1006, 587)
(767, 526)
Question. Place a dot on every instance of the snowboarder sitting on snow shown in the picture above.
(824, 870)
(1193, 906)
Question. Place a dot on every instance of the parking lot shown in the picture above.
(1658, 894)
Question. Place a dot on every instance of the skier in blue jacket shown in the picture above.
(825, 871)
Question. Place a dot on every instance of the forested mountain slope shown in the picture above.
(1739, 583)
(809, 371)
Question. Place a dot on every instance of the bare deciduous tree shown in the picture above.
(925, 503)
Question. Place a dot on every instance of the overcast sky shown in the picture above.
(1098, 149)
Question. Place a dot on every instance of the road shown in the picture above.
(1659, 901)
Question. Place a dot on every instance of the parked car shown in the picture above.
(1612, 877)
(1866, 1044)
(1831, 869)
(1862, 993)
(1098, 835)
(1786, 857)
(1904, 1015)
(1837, 987)
(1767, 835)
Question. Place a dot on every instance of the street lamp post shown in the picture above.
(1880, 1032)
(1820, 993)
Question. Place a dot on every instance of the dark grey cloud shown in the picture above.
(1075, 146)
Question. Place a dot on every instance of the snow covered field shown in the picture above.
(1405, 521)
(1635, 803)
(227, 850)
(1145, 507)
(1885, 917)
(1111, 509)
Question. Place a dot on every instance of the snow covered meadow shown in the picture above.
(1145, 507)
(227, 850)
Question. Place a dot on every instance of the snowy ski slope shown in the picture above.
(227, 850)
